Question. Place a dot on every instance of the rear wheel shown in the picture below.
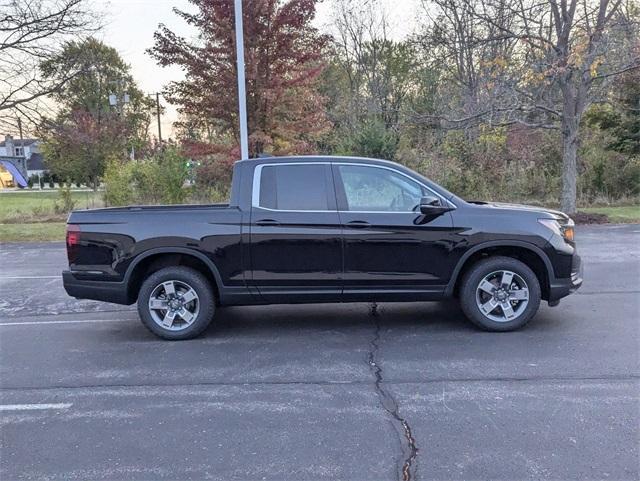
(176, 303)
(500, 294)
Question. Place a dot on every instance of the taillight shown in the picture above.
(73, 241)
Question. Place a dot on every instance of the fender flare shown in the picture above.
(510, 243)
(173, 250)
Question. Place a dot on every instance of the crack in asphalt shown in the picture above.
(390, 405)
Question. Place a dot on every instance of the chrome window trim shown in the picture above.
(257, 174)
(291, 210)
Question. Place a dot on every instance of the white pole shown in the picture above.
(242, 95)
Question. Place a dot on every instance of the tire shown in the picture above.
(184, 302)
(483, 294)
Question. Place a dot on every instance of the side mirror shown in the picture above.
(431, 205)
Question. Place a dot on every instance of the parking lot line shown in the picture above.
(31, 277)
(34, 407)
(78, 321)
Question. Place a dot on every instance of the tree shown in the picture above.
(283, 54)
(78, 146)
(87, 131)
(563, 57)
(30, 32)
(369, 80)
(620, 116)
(452, 42)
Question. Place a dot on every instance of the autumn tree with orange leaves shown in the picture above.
(283, 55)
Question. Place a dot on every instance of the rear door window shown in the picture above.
(295, 187)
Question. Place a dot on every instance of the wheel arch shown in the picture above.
(530, 254)
(155, 259)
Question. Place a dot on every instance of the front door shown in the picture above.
(391, 250)
(296, 246)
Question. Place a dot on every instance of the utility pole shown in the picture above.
(157, 95)
(158, 116)
(118, 100)
(21, 137)
(242, 95)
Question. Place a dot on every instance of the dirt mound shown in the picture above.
(585, 218)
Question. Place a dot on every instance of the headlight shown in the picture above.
(565, 231)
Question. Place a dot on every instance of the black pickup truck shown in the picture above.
(322, 229)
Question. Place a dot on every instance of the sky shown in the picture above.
(130, 25)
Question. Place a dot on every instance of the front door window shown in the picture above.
(376, 189)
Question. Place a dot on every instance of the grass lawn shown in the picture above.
(628, 214)
(49, 231)
(30, 215)
(35, 206)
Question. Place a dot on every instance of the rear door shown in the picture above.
(391, 250)
(295, 238)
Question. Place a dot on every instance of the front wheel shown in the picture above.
(176, 303)
(500, 294)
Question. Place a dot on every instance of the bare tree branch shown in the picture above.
(30, 32)
(538, 63)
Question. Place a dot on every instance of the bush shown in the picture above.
(371, 139)
(157, 179)
(118, 181)
(607, 173)
(65, 202)
(495, 164)
(212, 176)
(171, 172)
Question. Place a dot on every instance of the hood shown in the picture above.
(542, 211)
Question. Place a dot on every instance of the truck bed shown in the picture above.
(119, 214)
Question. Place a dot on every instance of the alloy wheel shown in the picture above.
(502, 296)
(174, 305)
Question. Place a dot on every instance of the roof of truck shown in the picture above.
(314, 158)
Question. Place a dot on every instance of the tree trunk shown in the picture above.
(569, 169)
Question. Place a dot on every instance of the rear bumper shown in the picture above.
(560, 288)
(115, 292)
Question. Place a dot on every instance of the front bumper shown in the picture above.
(105, 291)
(560, 288)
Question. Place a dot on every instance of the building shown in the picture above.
(27, 149)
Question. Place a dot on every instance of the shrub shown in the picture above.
(171, 171)
(39, 211)
(65, 202)
(157, 179)
(212, 179)
(489, 163)
(118, 181)
(606, 173)
(371, 139)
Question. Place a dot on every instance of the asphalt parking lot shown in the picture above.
(324, 391)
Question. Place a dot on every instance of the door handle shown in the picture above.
(267, 222)
(358, 224)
